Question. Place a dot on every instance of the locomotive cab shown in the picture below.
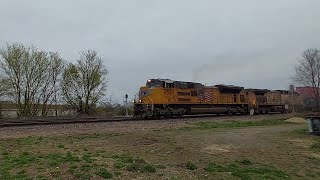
(164, 97)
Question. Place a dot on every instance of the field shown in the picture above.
(262, 147)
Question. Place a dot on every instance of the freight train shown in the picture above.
(168, 98)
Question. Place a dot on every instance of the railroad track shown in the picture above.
(33, 122)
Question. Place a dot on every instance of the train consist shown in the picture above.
(168, 98)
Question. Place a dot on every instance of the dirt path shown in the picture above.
(257, 142)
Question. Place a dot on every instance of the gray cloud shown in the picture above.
(249, 43)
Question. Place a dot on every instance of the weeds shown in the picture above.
(246, 162)
(315, 146)
(61, 146)
(133, 164)
(134, 167)
(87, 158)
(248, 171)
(238, 124)
(86, 167)
(213, 167)
(124, 158)
(23, 159)
(148, 168)
(71, 158)
(234, 124)
(40, 177)
(11, 162)
(104, 173)
(81, 175)
(119, 165)
(29, 140)
(72, 168)
(302, 131)
(191, 166)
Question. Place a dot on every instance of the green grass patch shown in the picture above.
(23, 159)
(14, 162)
(134, 167)
(70, 157)
(40, 177)
(104, 173)
(148, 168)
(213, 167)
(246, 162)
(302, 131)
(236, 124)
(125, 158)
(246, 171)
(72, 168)
(34, 140)
(132, 164)
(87, 158)
(86, 167)
(315, 146)
(82, 175)
(81, 168)
(31, 140)
(20, 175)
(119, 165)
(93, 136)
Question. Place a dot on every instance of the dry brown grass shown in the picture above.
(258, 152)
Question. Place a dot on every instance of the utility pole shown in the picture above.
(292, 93)
(126, 96)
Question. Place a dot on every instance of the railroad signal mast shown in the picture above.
(126, 104)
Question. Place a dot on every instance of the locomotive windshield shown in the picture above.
(154, 83)
(167, 83)
(164, 83)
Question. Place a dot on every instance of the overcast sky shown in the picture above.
(251, 43)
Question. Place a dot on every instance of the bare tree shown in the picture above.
(32, 75)
(308, 73)
(2, 94)
(3, 90)
(85, 83)
(49, 89)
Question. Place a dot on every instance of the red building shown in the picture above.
(307, 91)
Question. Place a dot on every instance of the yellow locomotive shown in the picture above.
(165, 97)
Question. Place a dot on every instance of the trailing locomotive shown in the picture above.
(164, 97)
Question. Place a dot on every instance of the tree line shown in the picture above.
(36, 79)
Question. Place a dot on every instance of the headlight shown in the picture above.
(140, 100)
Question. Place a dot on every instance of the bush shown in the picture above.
(191, 166)
(134, 167)
(246, 162)
(148, 168)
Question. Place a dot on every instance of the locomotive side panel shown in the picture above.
(234, 98)
(265, 101)
(163, 97)
(273, 98)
